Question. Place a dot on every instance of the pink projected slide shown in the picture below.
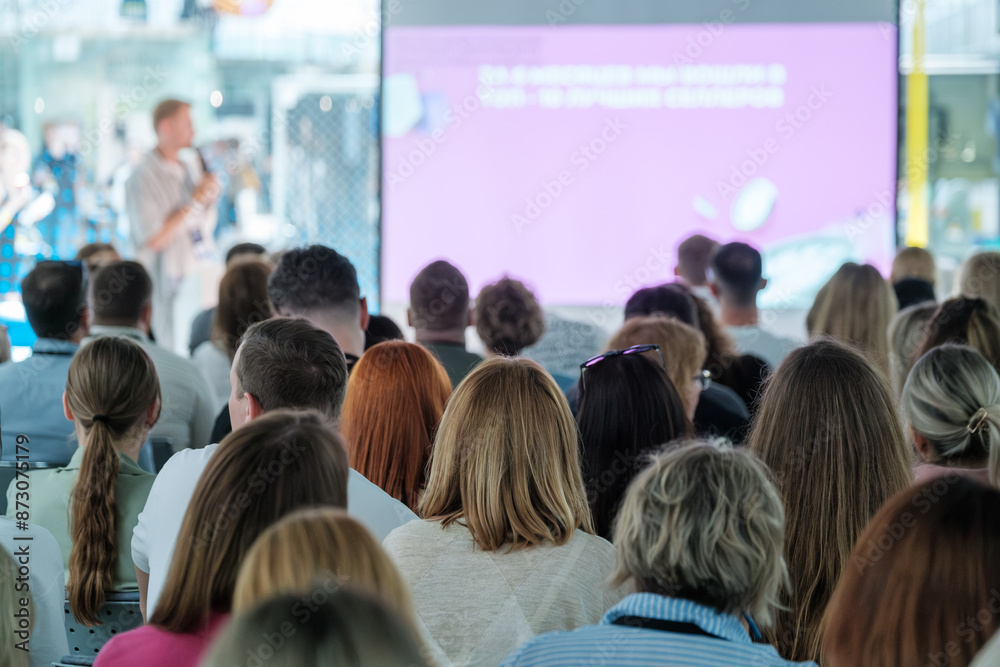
(577, 158)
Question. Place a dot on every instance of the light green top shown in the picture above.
(48, 506)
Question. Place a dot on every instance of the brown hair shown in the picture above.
(278, 463)
(966, 321)
(167, 109)
(395, 398)
(913, 262)
(243, 300)
(439, 298)
(114, 380)
(508, 317)
(118, 293)
(506, 460)
(829, 429)
(920, 580)
(855, 306)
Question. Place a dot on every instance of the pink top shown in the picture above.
(925, 472)
(151, 646)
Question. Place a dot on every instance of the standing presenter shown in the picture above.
(171, 207)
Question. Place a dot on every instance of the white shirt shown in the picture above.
(188, 407)
(46, 585)
(479, 605)
(751, 339)
(215, 366)
(160, 521)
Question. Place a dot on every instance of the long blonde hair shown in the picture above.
(829, 429)
(10, 603)
(111, 386)
(506, 459)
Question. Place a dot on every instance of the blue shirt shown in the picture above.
(31, 403)
(609, 644)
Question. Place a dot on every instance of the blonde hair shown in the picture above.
(10, 655)
(829, 429)
(907, 331)
(855, 307)
(913, 262)
(705, 524)
(979, 276)
(506, 459)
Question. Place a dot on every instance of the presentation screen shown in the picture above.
(577, 157)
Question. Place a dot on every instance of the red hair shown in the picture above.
(395, 398)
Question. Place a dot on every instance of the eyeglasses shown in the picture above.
(635, 349)
(704, 379)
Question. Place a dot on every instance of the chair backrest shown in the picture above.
(8, 473)
(119, 614)
(163, 449)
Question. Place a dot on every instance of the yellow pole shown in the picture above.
(917, 222)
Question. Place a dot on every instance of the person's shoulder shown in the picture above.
(547, 648)
(420, 531)
(186, 462)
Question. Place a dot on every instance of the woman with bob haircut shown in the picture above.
(506, 549)
(350, 628)
(700, 537)
(921, 588)
(829, 430)
(966, 321)
(855, 306)
(279, 462)
(395, 398)
(628, 409)
(952, 404)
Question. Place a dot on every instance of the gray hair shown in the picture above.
(952, 398)
(706, 524)
(906, 333)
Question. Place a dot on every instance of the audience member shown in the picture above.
(737, 276)
(221, 525)
(54, 296)
(439, 312)
(672, 300)
(380, 329)
(628, 409)
(855, 306)
(700, 538)
(913, 276)
(11, 603)
(965, 321)
(829, 430)
(243, 301)
(923, 581)
(395, 398)
(906, 334)
(280, 363)
(979, 277)
(45, 580)
(506, 549)
(508, 317)
(694, 256)
(96, 255)
(345, 628)
(121, 305)
(952, 404)
(91, 505)
(203, 323)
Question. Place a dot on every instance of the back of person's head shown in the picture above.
(906, 334)
(682, 348)
(315, 279)
(113, 393)
(952, 400)
(672, 300)
(966, 321)
(738, 273)
(242, 252)
(855, 307)
(923, 580)
(345, 628)
(915, 263)
(380, 329)
(439, 298)
(13, 595)
(506, 460)
(243, 301)
(693, 256)
(508, 317)
(705, 524)
(979, 277)
(54, 297)
(829, 429)
(627, 409)
(119, 292)
(279, 462)
(395, 398)
(290, 363)
(96, 255)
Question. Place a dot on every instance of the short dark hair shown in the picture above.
(290, 363)
(167, 109)
(245, 249)
(54, 297)
(315, 277)
(508, 317)
(738, 269)
(693, 255)
(118, 293)
(439, 298)
(380, 329)
(670, 299)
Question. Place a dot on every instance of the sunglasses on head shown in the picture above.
(635, 349)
